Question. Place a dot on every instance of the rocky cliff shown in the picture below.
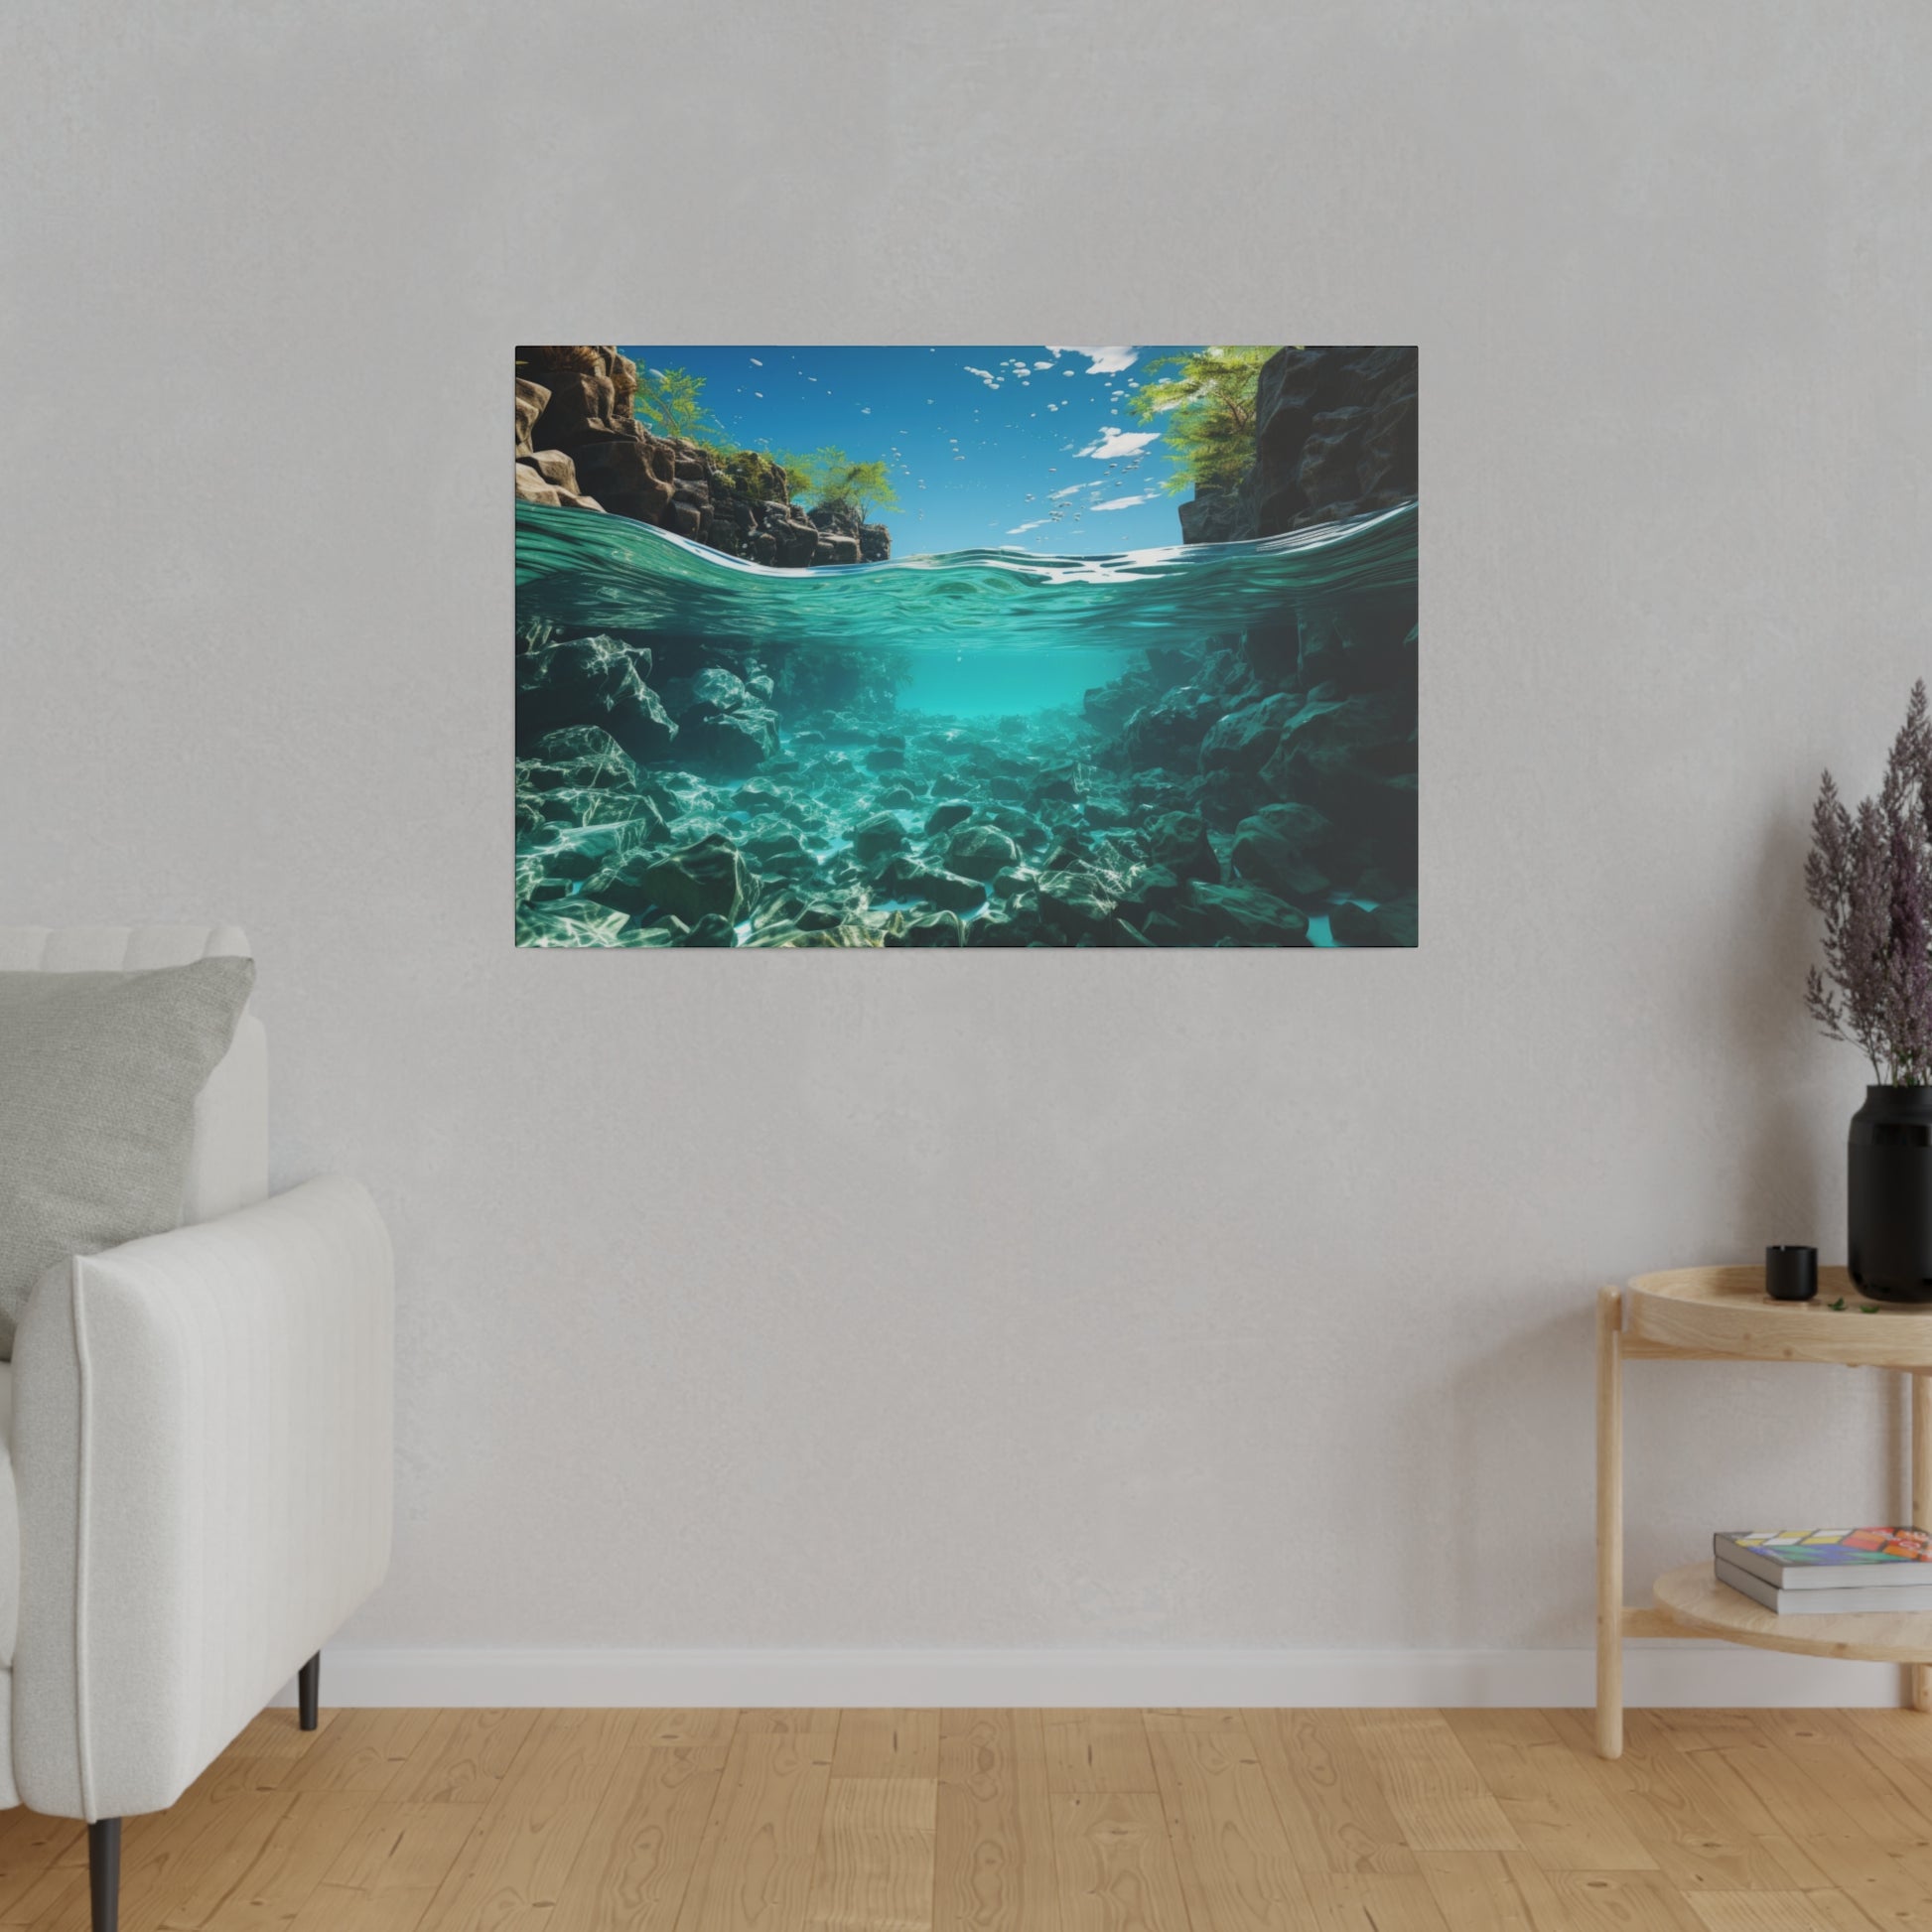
(579, 444)
(1334, 437)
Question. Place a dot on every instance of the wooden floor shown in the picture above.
(1027, 1821)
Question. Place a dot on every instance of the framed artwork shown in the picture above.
(966, 646)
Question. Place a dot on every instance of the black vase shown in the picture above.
(1891, 1194)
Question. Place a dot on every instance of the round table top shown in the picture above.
(1693, 1598)
(1725, 1311)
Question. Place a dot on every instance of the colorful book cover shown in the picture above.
(1823, 1549)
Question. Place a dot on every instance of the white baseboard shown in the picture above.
(1655, 1674)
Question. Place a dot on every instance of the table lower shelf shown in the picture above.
(1696, 1602)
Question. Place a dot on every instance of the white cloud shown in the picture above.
(1116, 442)
(1121, 503)
(755, 363)
(1101, 361)
(1020, 529)
(1073, 489)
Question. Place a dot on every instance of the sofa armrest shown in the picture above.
(202, 1450)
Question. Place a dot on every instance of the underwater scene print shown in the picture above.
(966, 646)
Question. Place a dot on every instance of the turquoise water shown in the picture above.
(1199, 745)
(588, 572)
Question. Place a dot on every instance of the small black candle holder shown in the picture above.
(1791, 1273)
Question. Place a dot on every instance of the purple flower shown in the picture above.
(1871, 878)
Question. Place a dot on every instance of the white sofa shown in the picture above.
(198, 1475)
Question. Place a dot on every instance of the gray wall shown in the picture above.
(1044, 1298)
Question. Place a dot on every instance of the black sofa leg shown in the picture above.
(104, 1872)
(308, 1686)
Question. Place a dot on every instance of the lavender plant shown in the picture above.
(1869, 875)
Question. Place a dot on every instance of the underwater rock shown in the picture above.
(761, 798)
(1169, 732)
(981, 852)
(590, 681)
(732, 742)
(903, 878)
(926, 929)
(694, 883)
(1244, 741)
(885, 757)
(571, 922)
(1240, 914)
(1074, 904)
(578, 755)
(713, 686)
(1264, 855)
(1392, 923)
(877, 834)
(1180, 842)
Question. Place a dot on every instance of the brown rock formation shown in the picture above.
(1334, 437)
(578, 444)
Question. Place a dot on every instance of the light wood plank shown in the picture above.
(874, 1869)
(644, 1843)
(993, 1866)
(1556, 1803)
(290, 1864)
(1373, 1902)
(1097, 1750)
(758, 1874)
(384, 1878)
(1617, 1901)
(463, 1759)
(1490, 1891)
(1436, 1795)
(1116, 1868)
(887, 1744)
(512, 1867)
(1332, 1807)
(1778, 1911)
(1237, 1871)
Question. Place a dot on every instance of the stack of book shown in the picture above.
(1828, 1573)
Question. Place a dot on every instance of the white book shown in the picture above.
(1898, 1599)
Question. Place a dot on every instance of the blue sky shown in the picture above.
(1030, 449)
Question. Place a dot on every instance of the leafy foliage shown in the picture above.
(1207, 414)
(864, 489)
(671, 403)
(1869, 875)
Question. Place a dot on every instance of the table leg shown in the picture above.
(1610, 1523)
(1921, 1385)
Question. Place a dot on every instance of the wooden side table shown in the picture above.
(1705, 1315)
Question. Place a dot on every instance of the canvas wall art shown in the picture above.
(966, 646)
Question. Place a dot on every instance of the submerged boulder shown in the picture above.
(733, 742)
(877, 834)
(1178, 842)
(692, 884)
(579, 755)
(1238, 916)
(903, 878)
(591, 681)
(981, 852)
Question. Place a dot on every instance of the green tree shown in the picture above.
(671, 402)
(801, 473)
(1207, 414)
(864, 489)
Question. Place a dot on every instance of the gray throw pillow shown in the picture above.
(98, 1076)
